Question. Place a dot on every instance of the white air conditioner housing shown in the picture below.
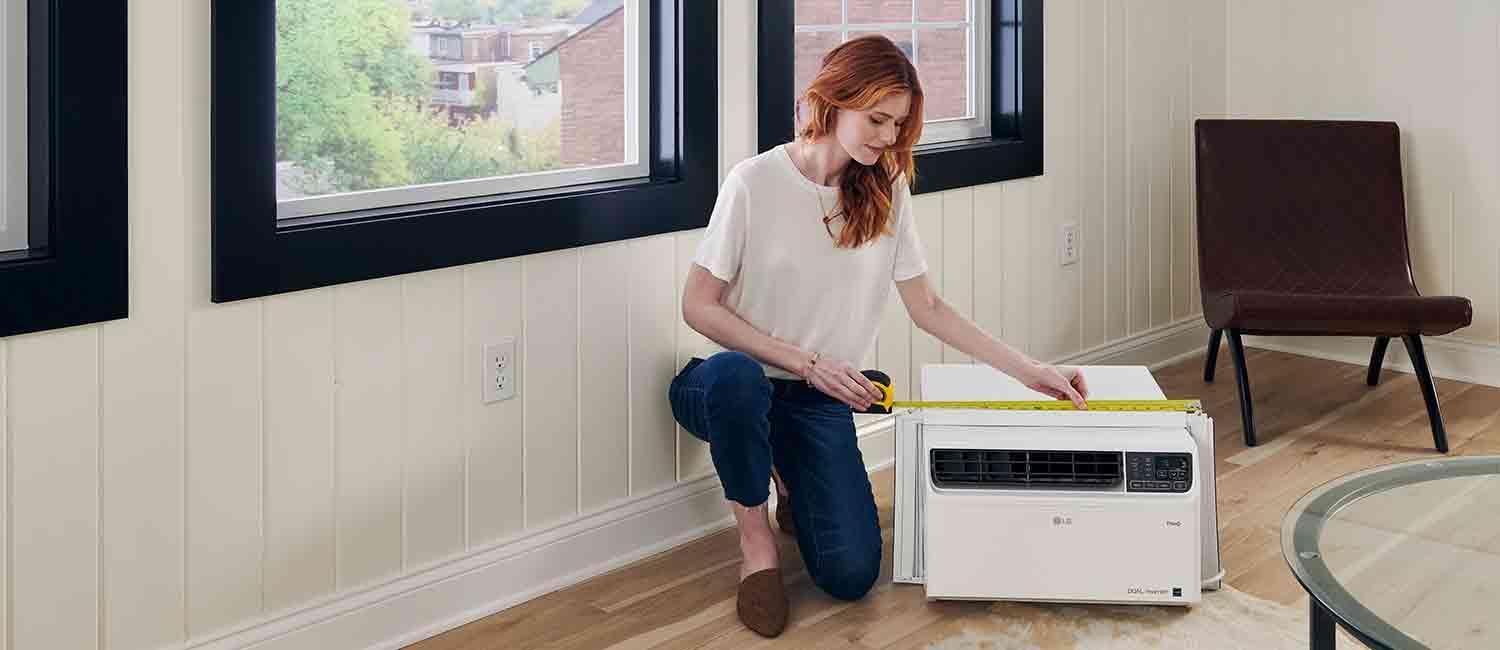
(1054, 506)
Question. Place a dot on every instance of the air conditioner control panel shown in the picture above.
(1158, 472)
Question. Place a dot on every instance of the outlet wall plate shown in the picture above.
(1068, 242)
(499, 376)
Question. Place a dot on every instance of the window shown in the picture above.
(939, 36)
(63, 255)
(13, 126)
(979, 62)
(390, 160)
(418, 143)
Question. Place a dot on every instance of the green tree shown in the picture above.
(354, 112)
(568, 8)
(463, 11)
(334, 62)
(514, 10)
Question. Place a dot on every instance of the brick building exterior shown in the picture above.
(941, 53)
(592, 76)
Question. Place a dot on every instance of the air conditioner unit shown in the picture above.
(1054, 506)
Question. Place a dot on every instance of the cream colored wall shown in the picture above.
(1434, 69)
(198, 467)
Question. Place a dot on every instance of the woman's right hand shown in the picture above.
(841, 381)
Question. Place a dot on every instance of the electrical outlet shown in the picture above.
(1069, 243)
(499, 371)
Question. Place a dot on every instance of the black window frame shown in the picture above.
(255, 254)
(75, 268)
(1014, 148)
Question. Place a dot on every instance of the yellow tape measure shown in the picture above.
(1176, 405)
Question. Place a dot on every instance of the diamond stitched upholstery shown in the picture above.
(1302, 230)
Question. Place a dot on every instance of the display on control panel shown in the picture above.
(1158, 472)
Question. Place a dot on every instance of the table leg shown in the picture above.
(1321, 626)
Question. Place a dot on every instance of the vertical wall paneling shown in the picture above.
(492, 312)
(224, 462)
(1178, 155)
(989, 265)
(141, 363)
(653, 362)
(432, 435)
(604, 375)
(5, 481)
(1209, 94)
(550, 393)
(1093, 175)
(299, 493)
(369, 408)
(1157, 23)
(53, 412)
(958, 260)
(925, 348)
(1064, 191)
(693, 459)
(1015, 217)
(1118, 200)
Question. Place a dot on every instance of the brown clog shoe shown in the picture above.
(762, 602)
(784, 519)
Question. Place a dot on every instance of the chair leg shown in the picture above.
(1242, 377)
(1213, 355)
(1429, 394)
(1377, 357)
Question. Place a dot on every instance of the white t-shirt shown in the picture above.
(787, 277)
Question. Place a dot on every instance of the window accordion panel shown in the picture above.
(947, 40)
(382, 104)
(13, 159)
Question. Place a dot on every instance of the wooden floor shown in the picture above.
(1316, 420)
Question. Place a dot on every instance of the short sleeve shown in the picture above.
(724, 241)
(910, 260)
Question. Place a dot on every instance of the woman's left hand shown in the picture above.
(1060, 382)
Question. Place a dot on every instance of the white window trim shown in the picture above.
(636, 165)
(13, 137)
(977, 124)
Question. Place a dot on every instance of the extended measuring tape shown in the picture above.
(889, 402)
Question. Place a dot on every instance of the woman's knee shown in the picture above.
(850, 574)
(736, 379)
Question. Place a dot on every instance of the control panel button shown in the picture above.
(1180, 486)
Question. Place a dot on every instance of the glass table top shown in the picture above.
(1406, 556)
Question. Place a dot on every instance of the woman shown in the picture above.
(792, 279)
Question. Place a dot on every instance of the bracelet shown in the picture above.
(811, 363)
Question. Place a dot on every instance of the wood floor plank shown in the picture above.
(1317, 421)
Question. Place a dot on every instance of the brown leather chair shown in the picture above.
(1302, 232)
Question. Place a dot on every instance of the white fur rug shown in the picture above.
(1226, 619)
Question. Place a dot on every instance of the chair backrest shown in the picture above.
(1301, 206)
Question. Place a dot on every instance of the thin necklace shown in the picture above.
(817, 191)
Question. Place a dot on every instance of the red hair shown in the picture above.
(855, 76)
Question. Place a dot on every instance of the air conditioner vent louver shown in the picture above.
(1009, 468)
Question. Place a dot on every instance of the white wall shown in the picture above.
(199, 467)
(1434, 69)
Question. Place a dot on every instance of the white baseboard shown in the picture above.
(404, 610)
(1449, 358)
(1154, 348)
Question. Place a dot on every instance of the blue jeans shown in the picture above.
(751, 421)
